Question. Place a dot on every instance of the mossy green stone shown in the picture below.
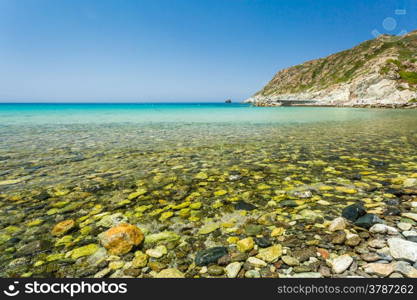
(166, 215)
(161, 237)
(65, 240)
(208, 228)
(55, 256)
(84, 251)
(4, 238)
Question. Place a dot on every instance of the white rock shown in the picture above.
(382, 228)
(341, 263)
(404, 226)
(256, 262)
(402, 249)
(337, 224)
(233, 269)
(410, 182)
(408, 233)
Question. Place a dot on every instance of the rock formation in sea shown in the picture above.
(378, 72)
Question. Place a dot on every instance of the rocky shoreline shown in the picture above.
(269, 103)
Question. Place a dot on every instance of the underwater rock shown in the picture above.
(337, 224)
(210, 255)
(353, 212)
(256, 262)
(140, 260)
(270, 254)
(252, 229)
(305, 254)
(379, 269)
(410, 182)
(368, 220)
(121, 239)
(267, 219)
(170, 273)
(112, 220)
(208, 228)
(161, 237)
(232, 269)
(242, 205)
(215, 270)
(338, 237)
(263, 242)
(402, 249)
(157, 252)
(84, 251)
(245, 245)
(352, 239)
(406, 269)
(34, 247)
(411, 216)
(290, 261)
(341, 263)
(63, 227)
(382, 228)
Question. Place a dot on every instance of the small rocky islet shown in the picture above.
(216, 202)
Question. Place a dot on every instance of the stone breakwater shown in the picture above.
(229, 202)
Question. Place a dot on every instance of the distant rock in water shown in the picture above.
(381, 72)
(228, 101)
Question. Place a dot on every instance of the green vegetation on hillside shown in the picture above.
(344, 66)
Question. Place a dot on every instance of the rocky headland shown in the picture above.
(377, 73)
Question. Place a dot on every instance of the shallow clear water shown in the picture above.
(80, 162)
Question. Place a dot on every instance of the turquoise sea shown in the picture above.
(71, 113)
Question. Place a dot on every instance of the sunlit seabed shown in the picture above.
(89, 158)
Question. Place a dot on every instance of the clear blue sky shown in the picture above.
(174, 50)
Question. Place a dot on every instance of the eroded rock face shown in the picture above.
(121, 239)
